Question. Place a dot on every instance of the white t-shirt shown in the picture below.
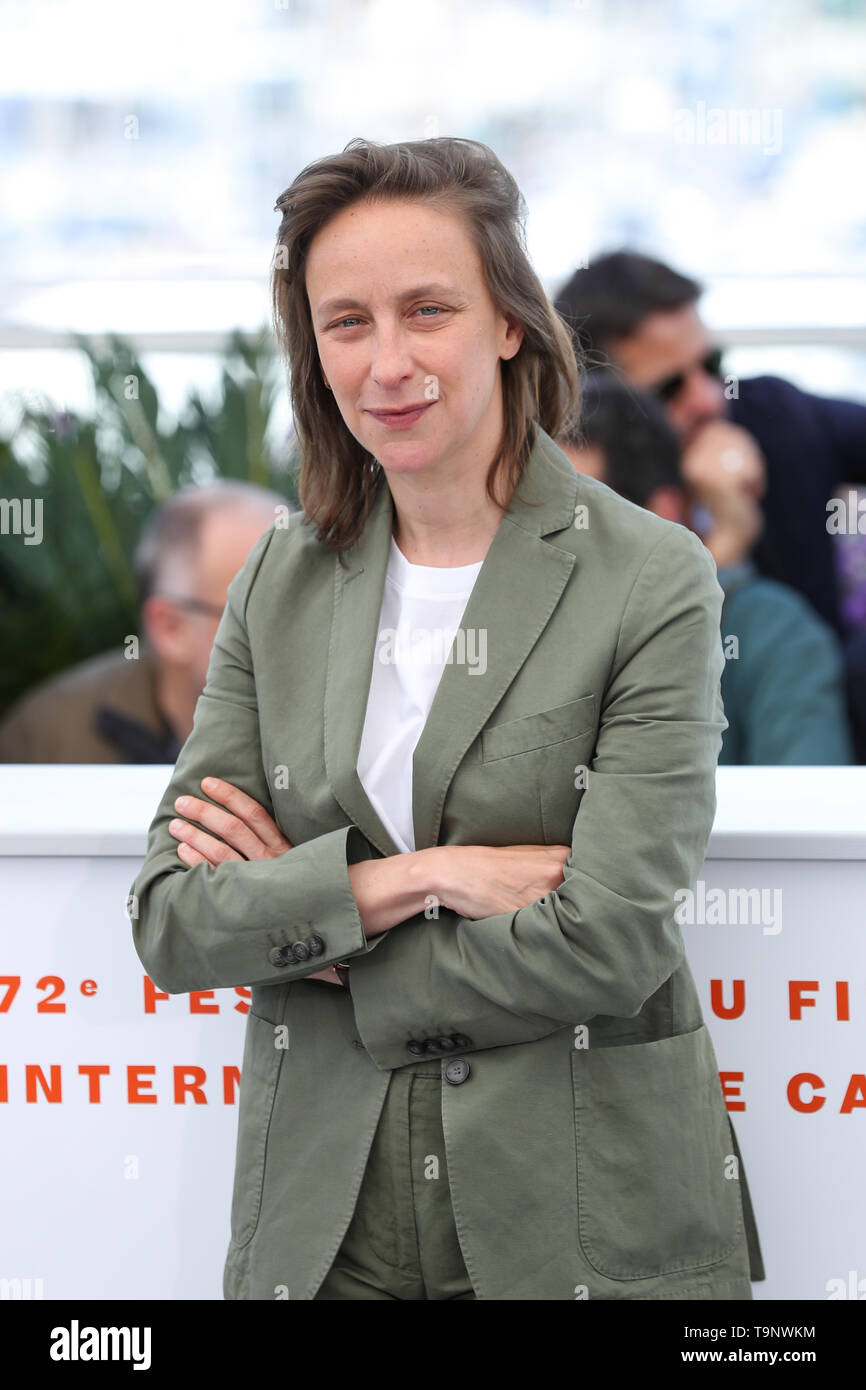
(422, 607)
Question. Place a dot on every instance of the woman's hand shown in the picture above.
(251, 834)
(249, 830)
(481, 881)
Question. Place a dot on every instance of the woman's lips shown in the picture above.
(402, 421)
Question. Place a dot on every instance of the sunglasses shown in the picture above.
(672, 385)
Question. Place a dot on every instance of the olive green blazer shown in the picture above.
(589, 1150)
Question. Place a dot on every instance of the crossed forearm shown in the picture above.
(390, 890)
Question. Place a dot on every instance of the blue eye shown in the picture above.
(350, 319)
(434, 307)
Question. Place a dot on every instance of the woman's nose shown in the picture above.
(391, 362)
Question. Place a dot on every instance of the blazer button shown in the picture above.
(300, 951)
(457, 1070)
(446, 1044)
(277, 955)
(316, 945)
(431, 1045)
(415, 1047)
(461, 1040)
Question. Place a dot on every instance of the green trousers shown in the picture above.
(402, 1240)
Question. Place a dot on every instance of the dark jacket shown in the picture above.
(811, 445)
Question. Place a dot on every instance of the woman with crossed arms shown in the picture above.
(453, 759)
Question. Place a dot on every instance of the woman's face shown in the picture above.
(403, 317)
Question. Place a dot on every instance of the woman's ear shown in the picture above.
(514, 333)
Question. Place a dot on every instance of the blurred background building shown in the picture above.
(142, 152)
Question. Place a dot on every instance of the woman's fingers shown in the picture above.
(244, 824)
(234, 831)
(249, 811)
(196, 845)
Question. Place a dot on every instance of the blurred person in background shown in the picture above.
(783, 682)
(138, 708)
(640, 316)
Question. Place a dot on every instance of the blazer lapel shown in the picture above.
(358, 590)
(517, 590)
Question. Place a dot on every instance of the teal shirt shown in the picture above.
(783, 685)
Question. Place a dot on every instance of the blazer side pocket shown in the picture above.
(539, 730)
(260, 1070)
(656, 1188)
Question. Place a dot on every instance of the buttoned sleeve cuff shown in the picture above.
(438, 1026)
(329, 927)
(253, 922)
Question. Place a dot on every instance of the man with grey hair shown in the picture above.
(136, 705)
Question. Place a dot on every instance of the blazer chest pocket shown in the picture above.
(540, 757)
(542, 730)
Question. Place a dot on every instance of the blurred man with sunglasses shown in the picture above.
(640, 316)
